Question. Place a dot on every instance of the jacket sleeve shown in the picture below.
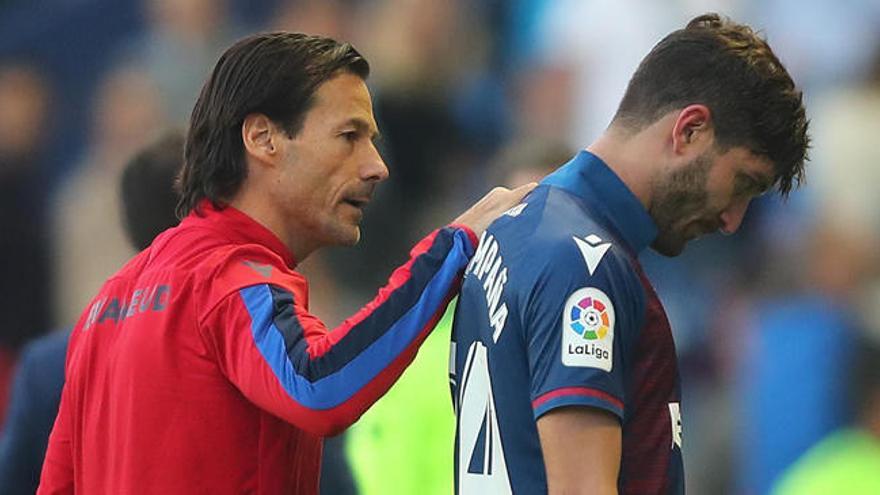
(287, 362)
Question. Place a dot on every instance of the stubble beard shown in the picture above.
(676, 196)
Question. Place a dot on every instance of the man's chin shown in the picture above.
(350, 237)
(668, 247)
(356, 238)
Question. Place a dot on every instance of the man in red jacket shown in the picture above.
(198, 367)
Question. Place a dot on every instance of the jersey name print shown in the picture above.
(487, 266)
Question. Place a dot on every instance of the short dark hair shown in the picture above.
(732, 70)
(275, 74)
(147, 189)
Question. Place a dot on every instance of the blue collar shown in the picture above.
(588, 177)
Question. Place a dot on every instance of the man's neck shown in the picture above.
(262, 212)
(635, 158)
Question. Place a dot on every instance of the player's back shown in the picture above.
(554, 312)
(152, 410)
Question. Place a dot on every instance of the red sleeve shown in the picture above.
(286, 361)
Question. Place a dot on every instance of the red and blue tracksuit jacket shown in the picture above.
(199, 369)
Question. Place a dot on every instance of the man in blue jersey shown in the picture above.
(564, 369)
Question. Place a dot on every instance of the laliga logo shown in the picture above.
(588, 329)
(589, 319)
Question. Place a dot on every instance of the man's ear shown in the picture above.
(693, 131)
(258, 133)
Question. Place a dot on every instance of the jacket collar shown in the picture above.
(238, 227)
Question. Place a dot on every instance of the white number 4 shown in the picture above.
(675, 418)
(481, 470)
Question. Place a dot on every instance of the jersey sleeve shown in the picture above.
(286, 361)
(582, 316)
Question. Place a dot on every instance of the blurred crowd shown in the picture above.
(469, 94)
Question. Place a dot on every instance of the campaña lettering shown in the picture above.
(488, 266)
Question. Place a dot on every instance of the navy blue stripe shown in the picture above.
(291, 330)
(367, 331)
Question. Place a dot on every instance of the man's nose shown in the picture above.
(373, 167)
(732, 217)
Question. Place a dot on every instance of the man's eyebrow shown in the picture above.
(764, 183)
(363, 126)
(753, 183)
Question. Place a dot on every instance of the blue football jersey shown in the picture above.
(556, 311)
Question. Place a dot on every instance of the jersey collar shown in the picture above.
(588, 177)
(238, 227)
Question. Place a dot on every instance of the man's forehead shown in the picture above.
(346, 99)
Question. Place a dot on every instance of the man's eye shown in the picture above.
(351, 136)
(746, 185)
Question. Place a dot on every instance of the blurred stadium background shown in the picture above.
(470, 93)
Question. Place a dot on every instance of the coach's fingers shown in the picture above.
(492, 205)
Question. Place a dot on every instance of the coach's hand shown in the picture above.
(499, 200)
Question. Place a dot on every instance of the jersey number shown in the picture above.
(482, 468)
